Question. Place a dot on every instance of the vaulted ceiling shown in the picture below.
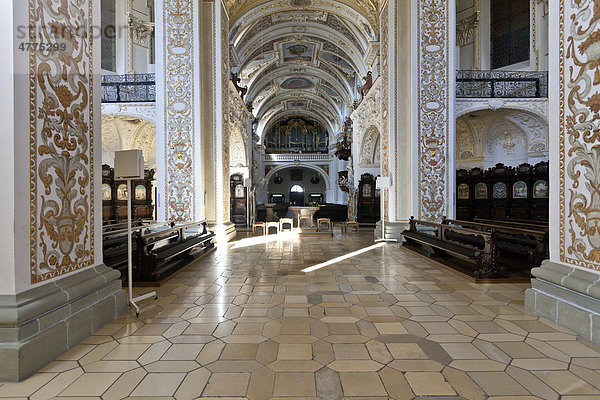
(302, 57)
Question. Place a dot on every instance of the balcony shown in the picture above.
(138, 88)
(501, 84)
(297, 157)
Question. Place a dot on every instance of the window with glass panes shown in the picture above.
(510, 32)
(109, 39)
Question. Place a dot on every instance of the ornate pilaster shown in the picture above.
(221, 130)
(434, 122)
(54, 290)
(566, 288)
(178, 148)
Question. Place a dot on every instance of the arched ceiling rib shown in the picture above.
(301, 57)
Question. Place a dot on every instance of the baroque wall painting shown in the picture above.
(434, 108)
(179, 111)
(61, 139)
(579, 124)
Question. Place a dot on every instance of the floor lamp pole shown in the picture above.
(132, 300)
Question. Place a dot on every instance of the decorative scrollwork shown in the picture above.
(61, 139)
(579, 134)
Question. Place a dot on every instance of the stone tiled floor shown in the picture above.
(247, 323)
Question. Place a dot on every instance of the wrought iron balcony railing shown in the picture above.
(501, 84)
(138, 88)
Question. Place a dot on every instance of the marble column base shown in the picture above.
(393, 230)
(38, 325)
(568, 296)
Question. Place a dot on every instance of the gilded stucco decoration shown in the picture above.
(367, 125)
(121, 132)
(61, 139)
(433, 107)
(370, 148)
(579, 136)
(179, 112)
(225, 75)
(239, 121)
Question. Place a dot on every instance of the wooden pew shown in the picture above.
(478, 248)
(516, 245)
(159, 249)
(515, 223)
(162, 252)
(114, 242)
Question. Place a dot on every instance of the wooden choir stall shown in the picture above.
(114, 197)
(501, 192)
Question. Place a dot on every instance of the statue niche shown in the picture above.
(297, 135)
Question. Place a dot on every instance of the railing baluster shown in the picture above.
(501, 84)
(129, 88)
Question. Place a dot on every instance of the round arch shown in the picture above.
(461, 112)
(308, 166)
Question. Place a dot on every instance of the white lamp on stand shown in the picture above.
(129, 165)
(383, 183)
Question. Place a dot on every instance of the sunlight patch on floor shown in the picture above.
(342, 258)
(253, 241)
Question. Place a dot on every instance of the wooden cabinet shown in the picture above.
(368, 200)
(238, 201)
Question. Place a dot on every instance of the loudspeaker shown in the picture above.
(247, 182)
(129, 164)
(383, 182)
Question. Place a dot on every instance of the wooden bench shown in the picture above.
(531, 243)
(477, 248)
(158, 249)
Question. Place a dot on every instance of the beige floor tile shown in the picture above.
(355, 365)
(246, 323)
(295, 352)
(362, 384)
(294, 384)
(406, 351)
(127, 352)
(163, 384)
(124, 385)
(227, 384)
(498, 384)
(463, 351)
(182, 352)
(391, 328)
(349, 351)
(27, 387)
(565, 382)
(91, 384)
(429, 384)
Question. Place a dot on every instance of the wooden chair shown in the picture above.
(351, 224)
(326, 221)
(272, 225)
(305, 215)
(262, 225)
(342, 225)
(286, 221)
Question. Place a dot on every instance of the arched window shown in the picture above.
(297, 189)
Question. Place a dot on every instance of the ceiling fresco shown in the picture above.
(302, 57)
